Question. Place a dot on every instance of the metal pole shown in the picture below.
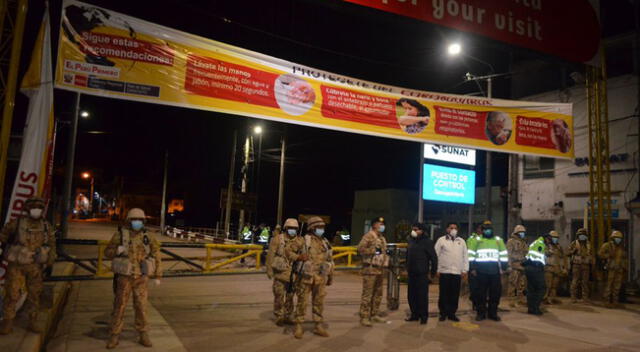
(420, 180)
(258, 177)
(91, 197)
(10, 89)
(281, 183)
(243, 187)
(68, 172)
(163, 209)
(488, 166)
(512, 198)
(227, 216)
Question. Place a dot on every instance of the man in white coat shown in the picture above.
(453, 265)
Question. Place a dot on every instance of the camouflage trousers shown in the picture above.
(371, 295)
(517, 284)
(317, 289)
(29, 275)
(282, 300)
(612, 288)
(125, 286)
(551, 281)
(580, 279)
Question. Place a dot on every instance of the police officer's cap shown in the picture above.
(487, 224)
(377, 219)
(34, 202)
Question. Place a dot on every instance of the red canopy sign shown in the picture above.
(565, 28)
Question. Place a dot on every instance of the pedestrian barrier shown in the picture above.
(99, 268)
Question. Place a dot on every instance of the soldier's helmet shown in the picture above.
(315, 221)
(582, 231)
(291, 224)
(554, 234)
(519, 228)
(616, 234)
(34, 202)
(136, 213)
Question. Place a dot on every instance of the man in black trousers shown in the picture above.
(422, 263)
(453, 265)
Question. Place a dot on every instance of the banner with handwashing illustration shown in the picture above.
(109, 54)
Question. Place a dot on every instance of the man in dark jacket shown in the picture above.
(422, 264)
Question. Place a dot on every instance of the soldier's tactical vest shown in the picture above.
(18, 251)
(122, 264)
(309, 268)
(280, 264)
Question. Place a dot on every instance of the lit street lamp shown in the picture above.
(84, 114)
(86, 176)
(454, 49)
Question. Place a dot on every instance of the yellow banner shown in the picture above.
(109, 54)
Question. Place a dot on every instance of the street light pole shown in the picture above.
(281, 183)
(227, 216)
(68, 172)
(488, 173)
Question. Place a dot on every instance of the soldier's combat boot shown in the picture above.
(6, 327)
(34, 327)
(298, 332)
(320, 330)
(378, 319)
(113, 342)
(366, 322)
(288, 320)
(144, 339)
(280, 321)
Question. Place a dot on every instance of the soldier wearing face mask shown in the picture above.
(30, 249)
(555, 267)
(581, 262)
(279, 269)
(135, 256)
(517, 248)
(614, 255)
(373, 250)
(314, 259)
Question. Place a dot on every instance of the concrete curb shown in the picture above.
(21, 340)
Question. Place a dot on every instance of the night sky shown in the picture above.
(324, 168)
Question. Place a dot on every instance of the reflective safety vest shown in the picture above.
(264, 235)
(536, 251)
(471, 241)
(246, 234)
(488, 250)
(345, 236)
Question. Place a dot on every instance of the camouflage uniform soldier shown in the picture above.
(555, 267)
(581, 262)
(30, 248)
(614, 254)
(517, 248)
(373, 250)
(135, 257)
(279, 269)
(314, 253)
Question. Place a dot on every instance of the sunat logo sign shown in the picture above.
(448, 184)
(449, 153)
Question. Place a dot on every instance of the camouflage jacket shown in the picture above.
(615, 256)
(319, 267)
(141, 245)
(30, 233)
(370, 243)
(517, 249)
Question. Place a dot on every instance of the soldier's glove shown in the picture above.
(378, 250)
(330, 281)
(120, 250)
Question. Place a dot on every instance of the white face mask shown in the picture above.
(319, 232)
(414, 234)
(453, 232)
(35, 213)
(292, 232)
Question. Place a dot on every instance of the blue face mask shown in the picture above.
(319, 232)
(292, 232)
(381, 228)
(487, 232)
(137, 225)
(582, 237)
(617, 240)
(521, 234)
(554, 240)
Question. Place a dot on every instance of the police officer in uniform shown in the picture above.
(373, 250)
(534, 269)
(30, 247)
(135, 256)
(279, 269)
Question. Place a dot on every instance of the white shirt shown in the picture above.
(452, 255)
